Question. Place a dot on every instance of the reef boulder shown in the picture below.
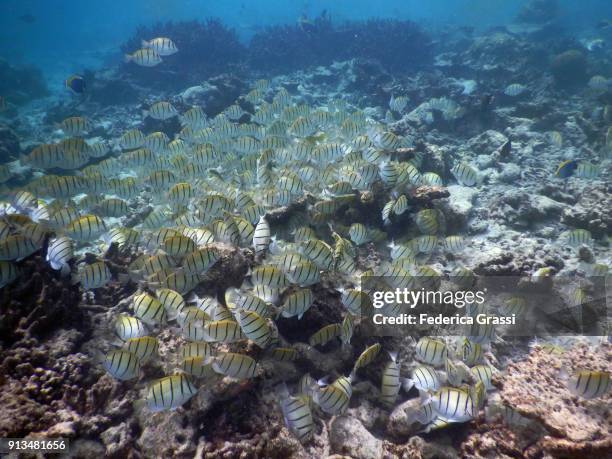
(9, 144)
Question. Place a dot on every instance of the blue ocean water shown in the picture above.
(62, 36)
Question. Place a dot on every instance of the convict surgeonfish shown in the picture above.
(237, 366)
(297, 414)
(122, 364)
(431, 351)
(589, 384)
(515, 89)
(161, 45)
(454, 405)
(145, 57)
(59, 253)
(92, 276)
(424, 378)
(169, 393)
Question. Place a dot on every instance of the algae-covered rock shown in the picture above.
(569, 68)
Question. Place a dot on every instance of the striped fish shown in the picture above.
(192, 314)
(455, 405)
(170, 392)
(93, 276)
(319, 252)
(86, 228)
(75, 126)
(59, 253)
(578, 237)
(197, 366)
(238, 366)
(193, 331)
(222, 331)
(254, 327)
(429, 221)
(235, 300)
(144, 57)
(472, 353)
(261, 237)
(454, 243)
(465, 174)
(390, 383)
(304, 274)
(348, 327)
(334, 398)
(173, 302)
(128, 327)
(589, 384)
(268, 275)
(424, 378)
(122, 364)
(198, 349)
(431, 351)
(325, 335)
(483, 373)
(201, 260)
(367, 356)
(16, 247)
(284, 354)
(297, 303)
(454, 374)
(162, 46)
(148, 309)
(132, 139)
(178, 246)
(298, 416)
(354, 300)
(144, 347)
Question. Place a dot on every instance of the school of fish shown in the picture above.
(216, 182)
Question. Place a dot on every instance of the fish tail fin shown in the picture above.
(144, 44)
(407, 384)
(425, 397)
(127, 58)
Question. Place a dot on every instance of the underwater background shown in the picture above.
(305, 229)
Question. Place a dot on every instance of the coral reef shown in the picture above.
(9, 144)
(21, 84)
(206, 49)
(397, 45)
(569, 68)
(564, 425)
(51, 383)
(538, 11)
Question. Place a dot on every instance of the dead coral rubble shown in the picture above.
(573, 427)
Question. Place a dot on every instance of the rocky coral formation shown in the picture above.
(9, 145)
(570, 427)
(52, 385)
(207, 48)
(569, 68)
(21, 84)
(288, 47)
(538, 11)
